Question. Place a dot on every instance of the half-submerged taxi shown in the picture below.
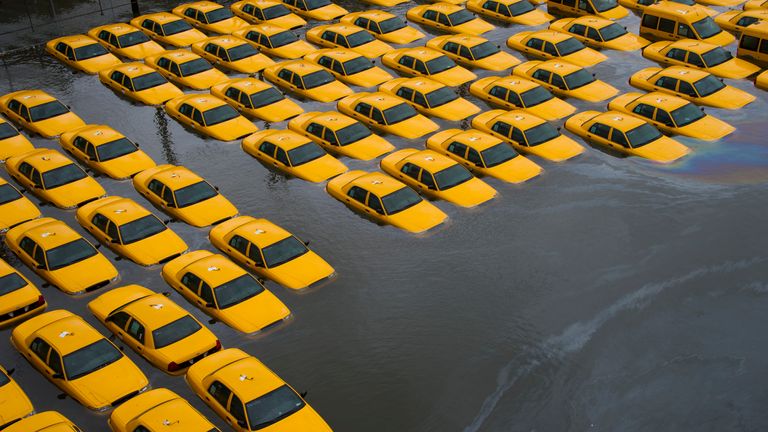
(761, 81)
(348, 36)
(16, 404)
(48, 421)
(267, 12)
(186, 69)
(695, 85)
(255, 98)
(510, 11)
(15, 208)
(211, 116)
(474, 52)
(600, 33)
(12, 143)
(641, 5)
(349, 66)
(307, 79)
(387, 113)
(105, 151)
(140, 83)
(276, 41)
(735, 21)
(158, 410)
(550, 44)
(608, 9)
(320, 10)
(701, 55)
(167, 28)
(19, 299)
(515, 92)
(755, 4)
(233, 53)
(39, 112)
(384, 26)
(566, 80)
(431, 98)
(449, 18)
(340, 134)
(125, 40)
(428, 62)
(82, 53)
(210, 17)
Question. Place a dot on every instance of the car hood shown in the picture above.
(419, 218)
(127, 165)
(329, 92)
(77, 277)
(473, 27)
(227, 26)
(585, 57)
(456, 109)
(205, 80)
(373, 49)
(14, 146)
(304, 420)
(369, 78)
(471, 193)
(95, 64)
(289, 21)
(327, 13)
(278, 111)
(16, 212)
(257, 312)
(138, 52)
(252, 64)
(734, 68)
(532, 18)
(190, 347)
(454, 77)
(301, 272)
(414, 127)
(14, 404)
(123, 377)
(498, 62)
(595, 91)
(402, 36)
(293, 50)
(17, 299)
(627, 42)
(728, 97)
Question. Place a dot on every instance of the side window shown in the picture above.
(338, 68)
(40, 348)
(14, 105)
(70, 53)
(518, 137)
(329, 36)
(197, 117)
(514, 99)
(458, 149)
(600, 130)
(427, 179)
(24, 112)
(464, 52)
(25, 169)
(663, 117)
(220, 392)
(419, 99)
(329, 136)
(501, 128)
(443, 19)
(420, 67)
(593, 34)
(411, 170)
(255, 254)
(499, 92)
(28, 246)
(80, 143)
(474, 157)
(377, 116)
(285, 74)
(535, 43)
(695, 59)
(764, 46)
(644, 110)
(236, 409)
(684, 31)
(104, 35)
(90, 151)
(650, 21)
(549, 48)
(155, 187)
(452, 47)
(206, 293)
(191, 281)
(430, 15)
(364, 109)
(267, 148)
(687, 89)
(296, 80)
(542, 75)
(325, 61)
(667, 26)
(357, 193)
(211, 48)
(112, 231)
(54, 362)
(667, 82)
(136, 331)
(186, 110)
(232, 93)
(192, 13)
(37, 178)
(375, 203)
(39, 255)
(113, 40)
(100, 222)
(406, 61)
(174, 69)
(558, 82)
(245, 100)
(585, 6)
(61, 47)
(120, 319)
(676, 54)
(282, 157)
(577, 29)
(749, 43)
(745, 21)
(315, 129)
(239, 243)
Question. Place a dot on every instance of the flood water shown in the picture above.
(608, 294)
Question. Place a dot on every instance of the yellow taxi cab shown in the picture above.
(275, 41)
(484, 155)
(761, 81)
(320, 10)
(155, 327)
(294, 154)
(15, 208)
(267, 12)
(724, 3)
(271, 252)
(48, 421)
(385, 200)
(566, 80)
(78, 360)
(82, 53)
(672, 21)
(125, 40)
(19, 300)
(158, 410)
(53, 178)
(515, 92)
(184, 195)
(428, 62)
(307, 79)
(695, 85)
(385, 3)
(437, 177)
(210, 17)
(12, 143)
(550, 44)
(233, 53)
(608, 9)
(700, 55)
(348, 36)
(736, 21)
(106, 151)
(755, 4)
(16, 405)
(640, 5)
(384, 26)
(39, 112)
(753, 43)
(249, 396)
(130, 230)
(449, 18)
(431, 98)
(672, 115)
(528, 134)
(255, 98)
(387, 113)
(224, 291)
(349, 66)
(211, 116)
(473, 52)
(600, 33)
(520, 12)
(186, 69)
(140, 83)
(169, 29)
(627, 135)
(340, 134)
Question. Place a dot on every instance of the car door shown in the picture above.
(218, 396)
(39, 354)
(117, 323)
(98, 227)
(238, 246)
(410, 173)
(136, 335)
(543, 76)
(356, 197)
(619, 140)
(78, 148)
(364, 111)
(154, 191)
(190, 288)
(284, 77)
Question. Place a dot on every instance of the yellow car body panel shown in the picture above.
(735, 21)
(19, 106)
(672, 78)
(413, 125)
(593, 91)
(637, 6)
(12, 143)
(299, 271)
(82, 53)
(337, 61)
(320, 168)
(225, 47)
(16, 405)
(326, 12)
(255, 98)
(161, 410)
(339, 34)
(267, 12)
(456, 47)
(451, 75)
(115, 79)
(429, 15)
(591, 31)
(581, 56)
(99, 140)
(125, 40)
(372, 19)
(385, 3)
(202, 80)
(209, 17)
(19, 298)
(458, 144)
(236, 127)
(276, 41)
(296, 70)
(167, 28)
(761, 81)
(323, 128)
(15, 208)
(67, 333)
(511, 12)
(755, 4)
(730, 68)
(515, 92)
(450, 107)
(722, 3)
(48, 421)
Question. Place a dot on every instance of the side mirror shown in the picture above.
(97, 245)
(303, 394)
(116, 241)
(216, 188)
(166, 293)
(167, 221)
(594, 76)
(57, 376)
(559, 128)
(137, 145)
(306, 243)
(210, 305)
(242, 423)
(10, 372)
(40, 266)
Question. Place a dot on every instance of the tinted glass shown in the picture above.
(498, 154)
(195, 67)
(8, 194)
(283, 251)
(47, 110)
(241, 52)
(352, 133)
(194, 194)
(400, 200)
(452, 176)
(708, 85)
(147, 81)
(686, 114)
(391, 24)
(237, 291)
(175, 331)
(141, 228)
(219, 114)
(314, 4)
(642, 135)
(218, 15)
(131, 39)
(90, 359)
(520, 8)
(7, 131)
(273, 407)
(115, 149)
(604, 5)
(283, 38)
(484, 50)
(266, 97)
(305, 153)
(441, 96)
(10, 283)
(399, 113)
(716, 56)
(706, 27)
(612, 31)
(569, 46)
(536, 96)
(63, 175)
(316, 79)
(176, 27)
(439, 64)
(357, 65)
(276, 11)
(578, 79)
(89, 51)
(4, 379)
(69, 253)
(460, 17)
(541, 134)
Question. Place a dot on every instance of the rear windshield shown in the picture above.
(141, 228)
(352, 133)
(220, 114)
(69, 253)
(708, 85)
(10, 283)
(7, 131)
(175, 331)
(237, 291)
(399, 113)
(195, 66)
(305, 153)
(535, 96)
(283, 251)
(391, 24)
(63, 175)
(642, 135)
(90, 51)
(240, 52)
(218, 15)
(95, 356)
(460, 17)
(604, 5)
(569, 46)
(519, 8)
(580, 78)
(283, 38)
(8, 193)
(452, 176)
(194, 194)
(314, 4)
(174, 27)
(612, 31)
(131, 39)
(541, 134)
(115, 149)
(47, 110)
(148, 81)
(706, 27)
(441, 96)
(273, 407)
(317, 79)
(498, 154)
(439, 64)
(400, 200)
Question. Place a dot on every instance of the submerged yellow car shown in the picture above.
(105, 151)
(307, 79)
(19, 300)
(267, 12)
(608, 9)
(755, 4)
(186, 69)
(528, 134)
(600, 33)
(735, 21)
(349, 66)
(158, 410)
(130, 230)
(437, 176)
(62, 257)
(276, 41)
(484, 154)
(520, 12)
(340, 134)
(431, 98)
(38, 112)
(626, 134)
(125, 40)
(211, 116)
(259, 400)
(641, 5)
(294, 154)
(387, 113)
(449, 18)
(701, 55)
(16, 405)
(385, 200)
(184, 195)
(48, 421)
(348, 36)
(140, 83)
(255, 98)
(12, 143)
(384, 26)
(514, 92)
(672, 115)
(761, 81)
(15, 208)
(428, 62)
(473, 52)
(53, 178)
(233, 53)
(320, 10)
(566, 80)
(155, 327)
(550, 44)
(82, 53)
(210, 17)
(167, 28)
(695, 85)
(226, 292)
(78, 360)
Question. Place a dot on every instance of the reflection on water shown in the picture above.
(164, 134)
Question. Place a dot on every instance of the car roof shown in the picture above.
(430, 160)
(265, 29)
(446, 8)
(301, 67)
(214, 269)
(592, 21)
(466, 40)
(759, 29)
(99, 134)
(133, 69)
(226, 41)
(118, 29)
(286, 139)
(341, 54)
(619, 120)
(248, 378)
(121, 210)
(261, 232)
(205, 6)
(474, 138)
(341, 28)
(155, 310)
(161, 17)
(176, 176)
(332, 119)
(378, 183)
(682, 72)
(509, 2)
(662, 100)
(692, 45)
(76, 41)
(691, 13)
(201, 101)
(45, 160)
(179, 55)
(376, 15)
(515, 83)
(549, 35)
(248, 85)
(421, 53)
(381, 100)
(424, 85)
(68, 334)
(262, 3)
(557, 66)
(520, 119)
(52, 233)
(31, 98)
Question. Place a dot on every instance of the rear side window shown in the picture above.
(650, 21)
(749, 43)
(667, 26)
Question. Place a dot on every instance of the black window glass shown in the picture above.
(317, 79)
(238, 290)
(194, 194)
(686, 114)
(194, 67)
(90, 358)
(240, 52)
(578, 79)
(643, 135)
(541, 134)
(399, 113)
(220, 114)
(175, 331)
(452, 176)
(7, 130)
(48, 110)
(716, 56)
(131, 39)
(282, 39)
(115, 149)
(90, 51)
(148, 81)
(10, 283)
(535, 96)
(357, 193)
(305, 153)
(63, 175)
(8, 193)
(708, 85)
(217, 15)
(352, 133)
(266, 97)
(283, 251)
(400, 200)
(439, 64)
(498, 154)
(175, 27)
(141, 228)
(706, 28)
(273, 407)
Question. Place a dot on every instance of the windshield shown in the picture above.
(131, 39)
(174, 27)
(175, 331)
(219, 114)
(240, 52)
(460, 17)
(604, 5)
(8, 193)
(498, 154)
(305, 153)
(441, 96)
(218, 15)
(439, 64)
(7, 131)
(399, 113)
(147, 81)
(612, 31)
(685, 2)
(357, 65)
(352, 133)
(706, 27)
(275, 11)
(642, 135)
(541, 134)
(716, 56)
(519, 8)
(535, 96)
(90, 359)
(90, 51)
(580, 78)
(452, 176)
(4, 379)
(391, 24)
(115, 149)
(360, 38)
(195, 67)
(485, 49)
(400, 200)
(273, 407)
(708, 85)
(237, 291)
(47, 110)
(194, 194)
(11, 282)
(317, 79)
(686, 114)
(69, 253)
(141, 228)
(283, 251)
(569, 46)
(63, 175)
(283, 38)
(314, 4)
(266, 97)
